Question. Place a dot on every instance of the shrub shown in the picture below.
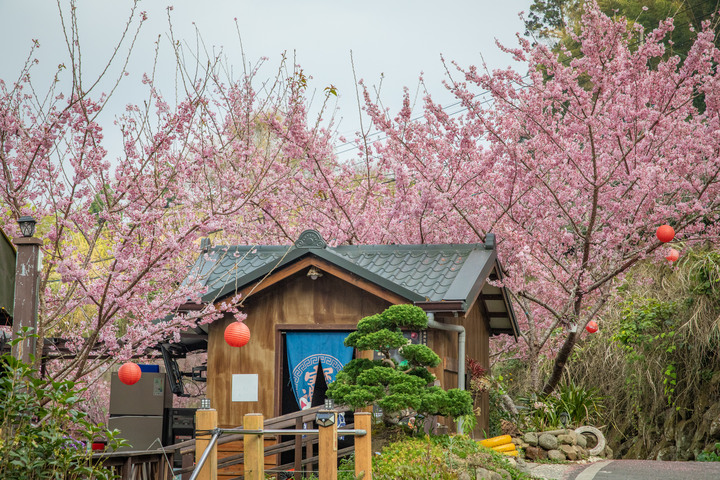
(395, 386)
(43, 434)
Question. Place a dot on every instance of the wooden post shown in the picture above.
(254, 447)
(298, 450)
(363, 446)
(206, 419)
(369, 355)
(25, 308)
(327, 449)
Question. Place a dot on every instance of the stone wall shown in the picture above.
(557, 445)
(676, 434)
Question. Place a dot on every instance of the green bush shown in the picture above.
(711, 456)
(583, 407)
(43, 434)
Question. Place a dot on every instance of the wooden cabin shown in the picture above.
(315, 288)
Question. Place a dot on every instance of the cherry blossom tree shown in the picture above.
(573, 165)
(121, 229)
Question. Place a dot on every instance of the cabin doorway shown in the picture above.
(318, 362)
(311, 362)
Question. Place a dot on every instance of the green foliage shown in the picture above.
(583, 406)
(420, 355)
(705, 274)
(394, 386)
(648, 325)
(555, 19)
(496, 414)
(439, 457)
(658, 348)
(642, 320)
(408, 316)
(44, 435)
(711, 456)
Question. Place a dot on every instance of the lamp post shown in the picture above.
(26, 288)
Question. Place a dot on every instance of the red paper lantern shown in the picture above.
(672, 255)
(237, 334)
(129, 373)
(592, 326)
(665, 233)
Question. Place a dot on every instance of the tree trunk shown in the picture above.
(560, 361)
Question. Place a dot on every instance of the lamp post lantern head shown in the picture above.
(27, 226)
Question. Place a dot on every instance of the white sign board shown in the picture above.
(245, 387)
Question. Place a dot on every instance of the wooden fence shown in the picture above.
(307, 446)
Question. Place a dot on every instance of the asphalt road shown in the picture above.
(643, 470)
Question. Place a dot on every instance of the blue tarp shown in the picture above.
(306, 351)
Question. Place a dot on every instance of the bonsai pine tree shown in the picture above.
(395, 386)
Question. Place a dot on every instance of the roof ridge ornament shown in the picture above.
(310, 239)
(490, 241)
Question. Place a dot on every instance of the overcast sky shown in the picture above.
(396, 38)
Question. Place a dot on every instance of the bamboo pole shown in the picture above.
(363, 446)
(254, 447)
(206, 420)
(327, 449)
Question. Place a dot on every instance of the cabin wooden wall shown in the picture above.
(445, 344)
(294, 301)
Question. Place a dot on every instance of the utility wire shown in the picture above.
(565, 61)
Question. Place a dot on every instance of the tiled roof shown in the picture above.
(419, 273)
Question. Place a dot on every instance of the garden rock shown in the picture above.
(464, 476)
(712, 417)
(569, 452)
(581, 441)
(484, 474)
(531, 438)
(683, 439)
(567, 439)
(536, 453)
(548, 441)
(504, 474)
(521, 465)
(667, 453)
(556, 455)
(608, 452)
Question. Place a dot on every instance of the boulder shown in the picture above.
(608, 452)
(521, 465)
(712, 419)
(531, 438)
(504, 474)
(567, 439)
(666, 454)
(484, 474)
(581, 441)
(536, 453)
(670, 419)
(658, 446)
(684, 434)
(548, 441)
(556, 455)
(569, 451)
(637, 451)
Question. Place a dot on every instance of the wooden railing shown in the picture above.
(155, 465)
(138, 465)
